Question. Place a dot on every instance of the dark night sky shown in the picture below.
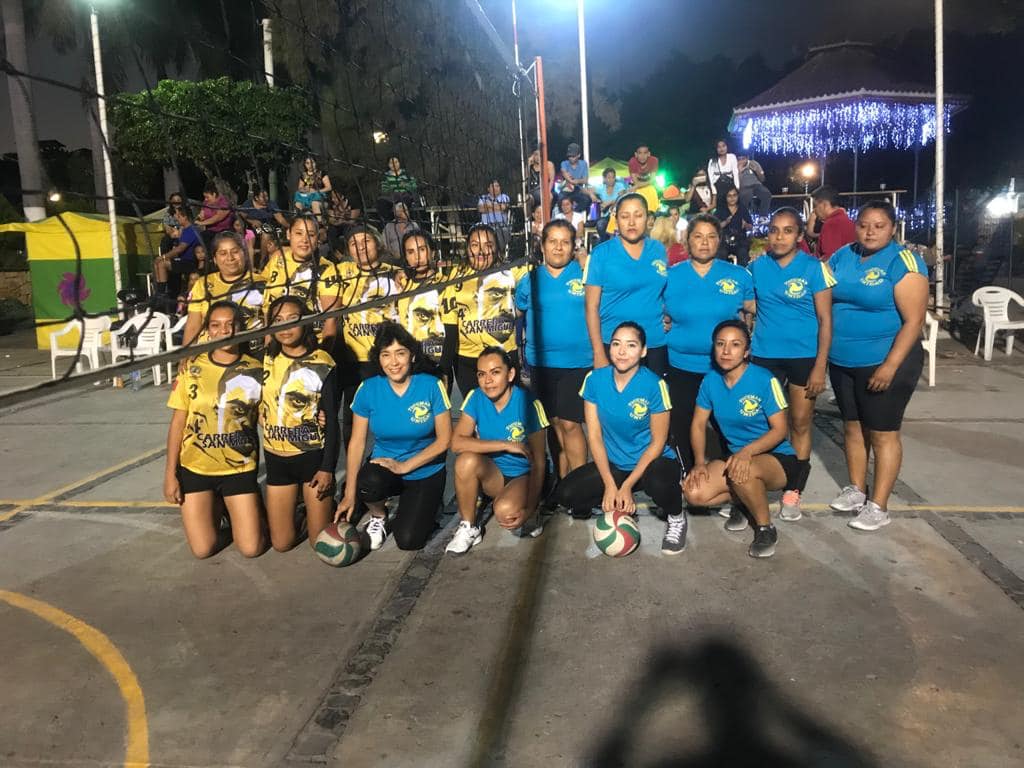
(737, 28)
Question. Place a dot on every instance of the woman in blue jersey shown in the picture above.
(499, 440)
(551, 296)
(408, 414)
(793, 333)
(625, 280)
(749, 405)
(627, 408)
(878, 309)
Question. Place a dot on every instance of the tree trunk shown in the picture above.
(172, 182)
(26, 141)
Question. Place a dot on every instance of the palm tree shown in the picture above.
(26, 142)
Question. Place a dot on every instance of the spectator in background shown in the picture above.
(752, 186)
(836, 228)
(216, 215)
(664, 231)
(341, 217)
(248, 237)
(182, 259)
(396, 186)
(723, 172)
(578, 219)
(643, 167)
(394, 231)
(700, 195)
(533, 185)
(493, 209)
(575, 173)
(736, 226)
(608, 193)
(170, 222)
(317, 186)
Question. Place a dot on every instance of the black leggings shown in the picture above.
(683, 387)
(582, 489)
(418, 502)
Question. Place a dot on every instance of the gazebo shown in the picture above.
(844, 97)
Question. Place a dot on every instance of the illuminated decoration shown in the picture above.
(660, 182)
(843, 126)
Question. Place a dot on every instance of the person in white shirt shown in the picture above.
(578, 219)
(723, 171)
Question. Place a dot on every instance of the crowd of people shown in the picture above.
(585, 377)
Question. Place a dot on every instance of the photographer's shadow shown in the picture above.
(747, 721)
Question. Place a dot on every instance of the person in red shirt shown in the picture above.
(837, 229)
(643, 167)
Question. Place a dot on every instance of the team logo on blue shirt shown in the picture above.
(874, 276)
(575, 287)
(516, 432)
(750, 405)
(728, 286)
(660, 266)
(419, 412)
(639, 408)
(796, 288)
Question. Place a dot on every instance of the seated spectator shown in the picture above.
(700, 195)
(216, 215)
(533, 182)
(575, 172)
(735, 230)
(248, 237)
(394, 231)
(262, 215)
(493, 208)
(341, 217)
(752, 188)
(396, 186)
(643, 167)
(608, 194)
(313, 188)
(723, 171)
(578, 219)
(535, 228)
(170, 222)
(836, 228)
(182, 259)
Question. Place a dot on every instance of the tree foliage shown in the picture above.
(218, 125)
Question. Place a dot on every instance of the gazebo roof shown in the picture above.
(842, 71)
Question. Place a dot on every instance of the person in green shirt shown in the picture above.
(396, 186)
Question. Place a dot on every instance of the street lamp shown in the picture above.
(108, 174)
(583, 80)
(807, 172)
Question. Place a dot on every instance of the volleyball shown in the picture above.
(616, 535)
(339, 544)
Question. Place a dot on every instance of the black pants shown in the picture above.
(465, 374)
(582, 489)
(418, 501)
(683, 387)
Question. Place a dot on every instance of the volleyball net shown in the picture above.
(350, 86)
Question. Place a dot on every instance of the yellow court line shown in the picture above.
(106, 653)
(927, 508)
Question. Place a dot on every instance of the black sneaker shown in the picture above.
(737, 519)
(765, 537)
(675, 535)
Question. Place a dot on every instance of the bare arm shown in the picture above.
(654, 449)
(463, 440)
(175, 434)
(538, 467)
(592, 304)
(442, 440)
(595, 439)
(193, 326)
(823, 309)
(911, 296)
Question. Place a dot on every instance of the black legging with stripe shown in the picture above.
(582, 489)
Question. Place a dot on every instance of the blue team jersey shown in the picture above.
(630, 290)
(626, 416)
(787, 324)
(865, 320)
(742, 412)
(556, 323)
(521, 417)
(403, 426)
(697, 304)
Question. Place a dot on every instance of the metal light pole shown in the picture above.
(108, 174)
(583, 80)
(940, 160)
(268, 72)
(522, 138)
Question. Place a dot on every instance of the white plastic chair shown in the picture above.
(148, 340)
(169, 344)
(995, 306)
(92, 343)
(930, 344)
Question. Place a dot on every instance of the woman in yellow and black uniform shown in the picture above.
(299, 381)
(361, 278)
(234, 281)
(212, 447)
(481, 310)
(422, 314)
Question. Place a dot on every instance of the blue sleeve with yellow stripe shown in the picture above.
(904, 263)
(774, 399)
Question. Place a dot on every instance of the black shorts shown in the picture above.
(293, 470)
(558, 390)
(791, 466)
(180, 266)
(223, 485)
(878, 411)
(788, 370)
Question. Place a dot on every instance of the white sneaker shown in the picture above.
(870, 518)
(466, 537)
(725, 511)
(377, 531)
(850, 499)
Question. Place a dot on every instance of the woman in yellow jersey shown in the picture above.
(299, 381)
(481, 310)
(422, 314)
(212, 445)
(233, 281)
(298, 271)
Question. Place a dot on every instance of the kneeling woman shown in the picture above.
(300, 382)
(626, 408)
(749, 406)
(212, 445)
(409, 415)
(500, 441)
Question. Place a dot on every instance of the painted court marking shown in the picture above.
(107, 654)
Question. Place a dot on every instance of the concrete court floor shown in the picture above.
(895, 648)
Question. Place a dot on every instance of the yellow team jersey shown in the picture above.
(246, 291)
(423, 314)
(291, 401)
(356, 285)
(484, 310)
(221, 403)
(284, 276)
